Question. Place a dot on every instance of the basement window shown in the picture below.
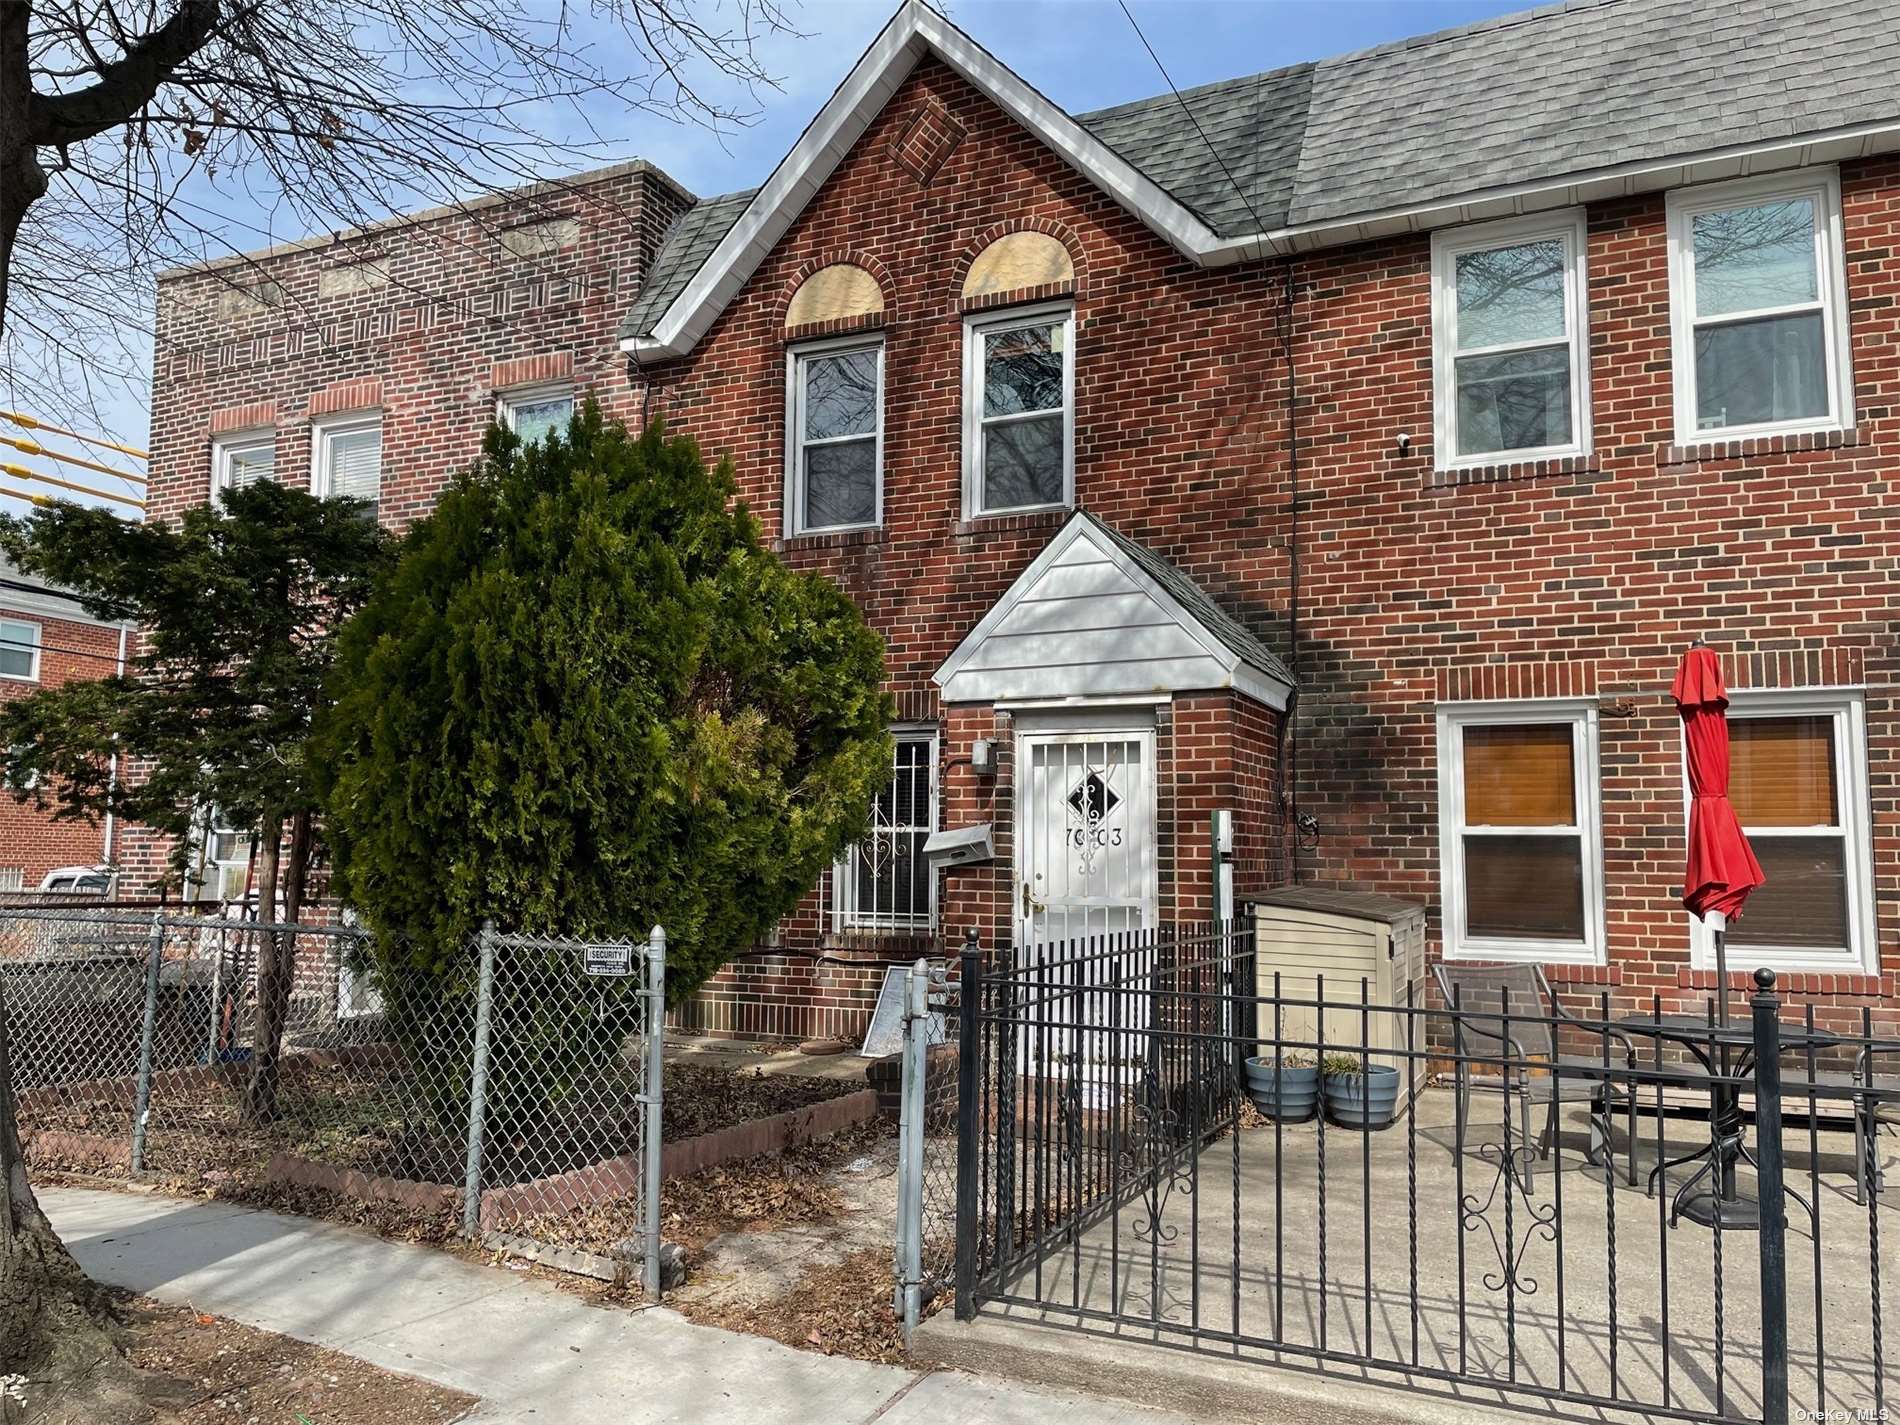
(1510, 343)
(1520, 839)
(1758, 308)
(1019, 412)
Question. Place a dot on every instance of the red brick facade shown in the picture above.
(1582, 578)
(70, 648)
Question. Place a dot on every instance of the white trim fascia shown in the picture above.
(914, 31)
(1593, 185)
(1242, 676)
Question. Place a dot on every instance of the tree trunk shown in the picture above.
(54, 1323)
(275, 968)
(22, 180)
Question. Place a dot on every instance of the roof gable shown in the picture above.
(1096, 614)
(1547, 108)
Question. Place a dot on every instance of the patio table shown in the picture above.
(1720, 1205)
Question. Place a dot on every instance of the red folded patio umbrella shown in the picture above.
(1722, 868)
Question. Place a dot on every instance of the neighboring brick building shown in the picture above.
(1403, 415)
(48, 639)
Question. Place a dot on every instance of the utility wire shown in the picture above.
(1241, 193)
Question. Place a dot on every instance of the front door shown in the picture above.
(1085, 836)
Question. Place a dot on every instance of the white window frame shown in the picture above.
(16, 631)
(224, 449)
(1683, 206)
(1453, 718)
(1448, 245)
(1848, 708)
(976, 326)
(845, 917)
(795, 442)
(324, 430)
(509, 400)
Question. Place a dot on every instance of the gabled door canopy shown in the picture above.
(1097, 615)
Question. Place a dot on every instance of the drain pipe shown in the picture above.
(112, 775)
(1289, 738)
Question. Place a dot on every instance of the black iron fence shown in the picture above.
(1678, 1217)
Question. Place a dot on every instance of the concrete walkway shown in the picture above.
(534, 1354)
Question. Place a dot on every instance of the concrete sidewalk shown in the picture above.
(534, 1354)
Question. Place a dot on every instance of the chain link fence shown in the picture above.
(515, 1084)
(927, 1143)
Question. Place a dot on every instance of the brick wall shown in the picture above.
(1587, 578)
(524, 288)
(30, 840)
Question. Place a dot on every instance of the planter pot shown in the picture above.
(1288, 1094)
(1367, 1101)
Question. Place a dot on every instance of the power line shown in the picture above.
(22, 472)
(55, 648)
(20, 418)
(1241, 193)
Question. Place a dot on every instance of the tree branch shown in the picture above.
(125, 85)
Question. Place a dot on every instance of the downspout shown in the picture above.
(1289, 743)
(112, 775)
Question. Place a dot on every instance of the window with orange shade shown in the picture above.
(1519, 844)
(1797, 779)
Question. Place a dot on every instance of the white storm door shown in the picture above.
(1085, 817)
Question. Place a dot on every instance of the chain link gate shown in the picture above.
(519, 1084)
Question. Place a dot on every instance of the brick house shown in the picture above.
(48, 639)
(1356, 457)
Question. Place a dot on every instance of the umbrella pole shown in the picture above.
(1719, 923)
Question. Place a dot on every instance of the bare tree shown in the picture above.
(125, 127)
(130, 128)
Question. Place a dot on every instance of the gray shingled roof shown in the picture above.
(1200, 604)
(1529, 97)
(687, 246)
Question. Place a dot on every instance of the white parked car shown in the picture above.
(79, 880)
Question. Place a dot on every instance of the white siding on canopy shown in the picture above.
(1086, 620)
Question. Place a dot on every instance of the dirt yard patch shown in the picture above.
(205, 1370)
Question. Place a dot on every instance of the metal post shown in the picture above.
(1774, 1216)
(654, 1102)
(969, 1084)
(142, 1105)
(478, 1085)
(910, 1137)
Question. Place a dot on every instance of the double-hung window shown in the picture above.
(535, 413)
(1758, 305)
(1510, 341)
(19, 650)
(1798, 782)
(1520, 837)
(227, 862)
(834, 414)
(241, 460)
(347, 458)
(1019, 411)
(883, 883)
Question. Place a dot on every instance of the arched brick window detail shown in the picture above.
(835, 295)
(1024, 260)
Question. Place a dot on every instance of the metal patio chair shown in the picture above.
(1484, 995)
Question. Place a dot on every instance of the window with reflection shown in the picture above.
(835, 418)
(1018, 404)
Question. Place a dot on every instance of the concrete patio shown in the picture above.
(1442, 1268)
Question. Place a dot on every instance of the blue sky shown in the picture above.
(1081, 53)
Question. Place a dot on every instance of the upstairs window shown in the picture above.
(1798, 782)
(883, 882)
(1019, 412)
(1519, 837)
(241, 460)
(1510, 345)
(19, 650)
(835, 417)
(538, 412)
(1759, 309)
(347, 458)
